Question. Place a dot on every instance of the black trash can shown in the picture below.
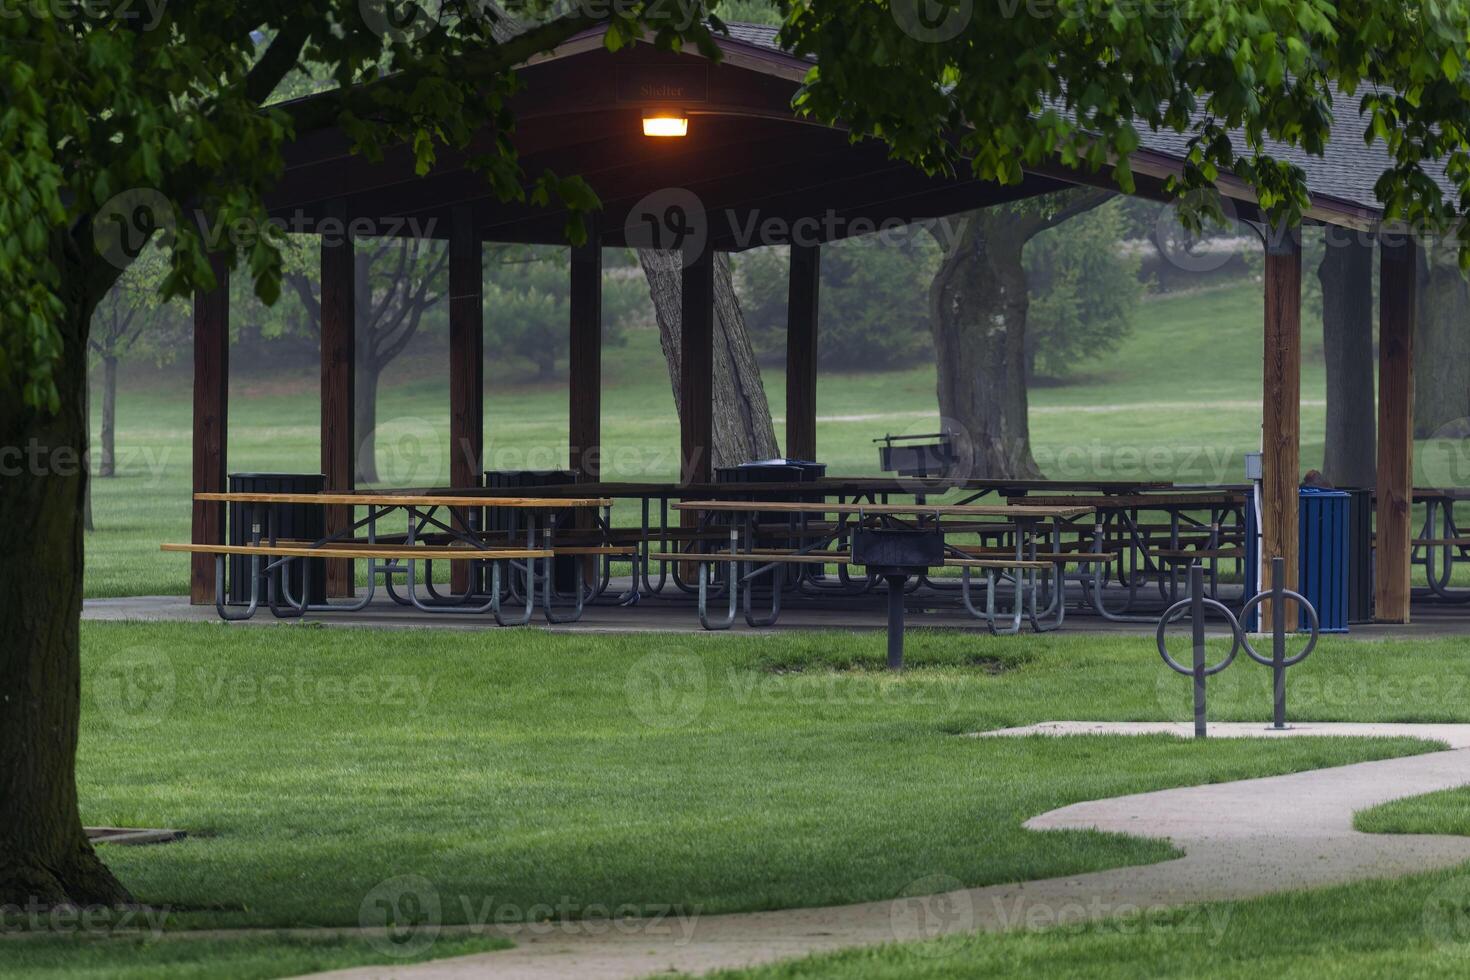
(772, 471)
(305, 522)
(513, 482)
(776, 471)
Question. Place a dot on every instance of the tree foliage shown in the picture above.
(133, 318)
(996, 86)
(873, 311)
(1084, 291)
(528, 307)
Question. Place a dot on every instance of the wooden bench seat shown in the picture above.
(1185, 554)
(353, 550)
(1046, 556)
(1435, 542)
(1184, 528)
(827, 558)
(998, 563)
(754, 558)
(437, 543)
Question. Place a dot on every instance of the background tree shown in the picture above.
(1441, 345)
(743, 430)
(978, 304)
(872, 314)
(1345, 297)
(397, 282)
(1083, 290)
(132, 318)
(528, 306)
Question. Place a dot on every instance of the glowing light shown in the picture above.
(665, 124)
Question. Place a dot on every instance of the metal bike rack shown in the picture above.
(1278, 661)
(1195, 605)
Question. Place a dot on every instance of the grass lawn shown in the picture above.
(1180, 400)
(255, 958)
(1447, 812)
(524, 772)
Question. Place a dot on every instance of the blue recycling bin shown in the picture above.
(1323, 560)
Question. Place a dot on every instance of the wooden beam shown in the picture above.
(585, 386)
(211, 423)
(1396, 285)
(338, 331)
(1281, 408)
(697, 368)
(801, 351)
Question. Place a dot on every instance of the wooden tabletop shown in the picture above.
(1422, 494)
(403, 500)
(1142, 501)
(917, 510)
(829, 485)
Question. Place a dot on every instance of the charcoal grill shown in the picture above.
(910, 456)
(894, 554)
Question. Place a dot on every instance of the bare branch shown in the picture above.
(276, 63)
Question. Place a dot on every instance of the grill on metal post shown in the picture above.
(894, 554)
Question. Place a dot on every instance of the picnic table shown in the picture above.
(655, 534)
(1440, 542)
(1037, 536)
(1154, 550)
(427, 537)
(815, 547)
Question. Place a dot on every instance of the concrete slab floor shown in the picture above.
(677, 615)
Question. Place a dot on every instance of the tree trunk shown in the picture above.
(1346, 275)
(45, 857)
(365, 415)
(365, 389)
(977, 312)
(109, 416)
(87, 523)
(742, 417)
(1442, 346)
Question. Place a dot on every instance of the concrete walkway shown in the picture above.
(1452, 735)
(1240, 840)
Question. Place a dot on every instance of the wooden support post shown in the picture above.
(697, 369)
(585, 386)
(338, 331)
(1281, 407)
(801, 351)
(466, 365)
(1396, 285)
(211, 423)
